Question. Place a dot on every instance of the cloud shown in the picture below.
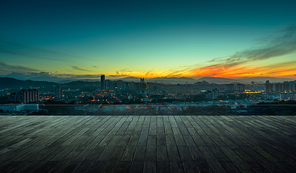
(33, 52)
(178, 73)
(49, 76)
(220, 59)
(95, 66)
(285, 69)
(18, 68)
(122, 73)
(38, 76)
(278, 44)
(149, 72)
(119, 76)
(78, 68)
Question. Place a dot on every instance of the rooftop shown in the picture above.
(148, 143)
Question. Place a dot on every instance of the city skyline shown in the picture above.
(73, 39)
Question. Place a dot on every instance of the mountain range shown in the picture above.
(167, 80)
(6, 82)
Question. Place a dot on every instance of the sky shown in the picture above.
(84, 39)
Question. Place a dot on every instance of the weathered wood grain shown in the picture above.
(148, 143)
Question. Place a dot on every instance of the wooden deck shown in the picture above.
(148, 144)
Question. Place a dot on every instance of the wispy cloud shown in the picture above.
(280, 43)
(149, 72)
(119, 76)
(19, 68)
(28, 51)
(78, 68)
(49, 76)
(178, 73)
(122, 73)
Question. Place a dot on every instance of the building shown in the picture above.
(268, 86)
(215, 93)
(36, 95)
(240, 87)
(143, 85)
(103, 84)
(278, 87)
(229, 87)
(25, 96)
(58, 92)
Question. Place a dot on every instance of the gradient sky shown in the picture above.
(85, 39)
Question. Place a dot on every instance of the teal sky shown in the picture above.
(146, 39)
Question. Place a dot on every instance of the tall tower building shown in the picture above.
(36, 95)
(268, 86)
(24, 96)
(103, 85)
(58, 92)
(143, 85)
(240, 87)
(142, 80)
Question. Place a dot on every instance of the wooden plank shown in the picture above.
(130, 149)
(151, 141)
(137, 166)
(176, 167)
(178, 137)
(114, 159)
(138, 128)
(149, 167)
(7, 167)
(130, 128)
(139, 155)
(182, 127)
(263, 156)
(97, 167)
(199, 161)
(148, 143)
(233, 145)
(151, 154)
(144, 135)
(162, 154)
(124, 166)
(167, 128)
(223, 148)
(152, 128)
(163, 167)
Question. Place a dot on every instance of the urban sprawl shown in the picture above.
(129, 98)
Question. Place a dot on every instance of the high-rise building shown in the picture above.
(215, 93)
(143, 85)
(240, 87)
(103, 85)
(268, 86)
(58, 92)
(36, 95)
(287, 87)
(25, 96)
(229, 87)
(278, 87)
